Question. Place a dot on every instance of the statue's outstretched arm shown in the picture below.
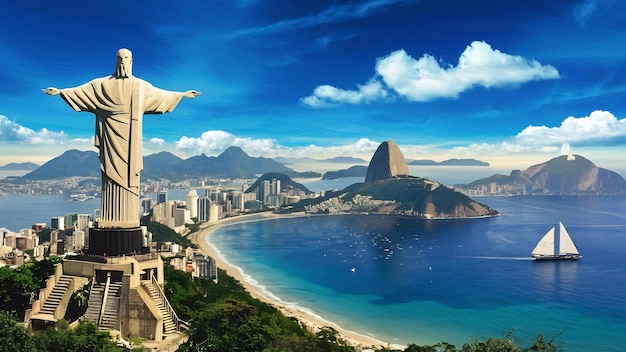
(191, 94)
(51, 91)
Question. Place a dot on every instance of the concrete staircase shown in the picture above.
(169, 326)
(109, 317)
(94, 305)
(104, 304)
(53, 300)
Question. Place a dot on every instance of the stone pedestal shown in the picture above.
(115, 242)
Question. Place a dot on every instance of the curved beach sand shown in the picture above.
(312, 321)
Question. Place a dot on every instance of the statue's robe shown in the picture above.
(119, 105)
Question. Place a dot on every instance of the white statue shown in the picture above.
(119, 102)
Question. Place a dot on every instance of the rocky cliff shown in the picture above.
(563, 175)
(387, 162)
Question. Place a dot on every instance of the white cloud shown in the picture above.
(11, 131)
(600, 127)
(326, 95)
(157, 141)
(216, 141)
(362, 147)
(426, 79)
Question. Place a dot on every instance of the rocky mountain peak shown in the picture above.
(387, 162)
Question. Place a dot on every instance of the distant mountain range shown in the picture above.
(450, 162)
(354, 171)
(71, 163)
(232, 163)
(338, 160)
(19, 166)
(563, 175)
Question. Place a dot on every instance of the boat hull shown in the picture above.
(558, 257)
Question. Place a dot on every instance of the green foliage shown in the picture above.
(224, 317)
(19, 286)
(16, 287)
(13, 336)
(78, 303)
(84, 338)
(162, 233)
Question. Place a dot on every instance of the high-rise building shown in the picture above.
(214, 213)
(146, 205)
(275, 187)
(192, 203)
(57, 223)
(263, 191)
(39, 226)
(82, 222)
(71, 219)
(204, 209)
(161, 197)
(238, 200)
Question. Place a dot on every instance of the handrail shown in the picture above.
(104, 299)
(179, 323)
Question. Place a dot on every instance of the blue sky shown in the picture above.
(508, 82)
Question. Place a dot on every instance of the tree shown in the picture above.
(16, 288)
(13, 336)
(84, 338)
(229, 325)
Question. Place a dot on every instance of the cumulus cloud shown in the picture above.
(426, 79)
(599, 128)
(216, 141)
(363, 146)
(157, 141)
(326, 95)
(11, 131)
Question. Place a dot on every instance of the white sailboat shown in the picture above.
(546, 248)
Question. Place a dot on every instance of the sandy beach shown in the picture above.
(312, 321)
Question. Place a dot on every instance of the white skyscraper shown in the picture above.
(192, 203)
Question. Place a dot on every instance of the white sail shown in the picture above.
(566, 245)
(545, 245)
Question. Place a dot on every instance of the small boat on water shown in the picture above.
(546, 249)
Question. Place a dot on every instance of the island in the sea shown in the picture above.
(389, 189)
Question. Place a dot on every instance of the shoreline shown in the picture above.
(312, 321)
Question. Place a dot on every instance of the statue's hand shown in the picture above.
(191, 94)
(51, 91)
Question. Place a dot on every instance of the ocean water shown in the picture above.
(20, 211)
(417, 281)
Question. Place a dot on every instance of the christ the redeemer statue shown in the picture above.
(119, 102)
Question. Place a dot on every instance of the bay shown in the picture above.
(416, 281)
(21, 211)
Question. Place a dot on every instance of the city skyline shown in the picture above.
(511, 83)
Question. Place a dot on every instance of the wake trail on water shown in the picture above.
(497, 258)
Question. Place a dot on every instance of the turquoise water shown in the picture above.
(448, 280)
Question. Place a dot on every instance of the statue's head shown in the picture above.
(124, 64)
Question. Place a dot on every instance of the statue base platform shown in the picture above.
(115, 242)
